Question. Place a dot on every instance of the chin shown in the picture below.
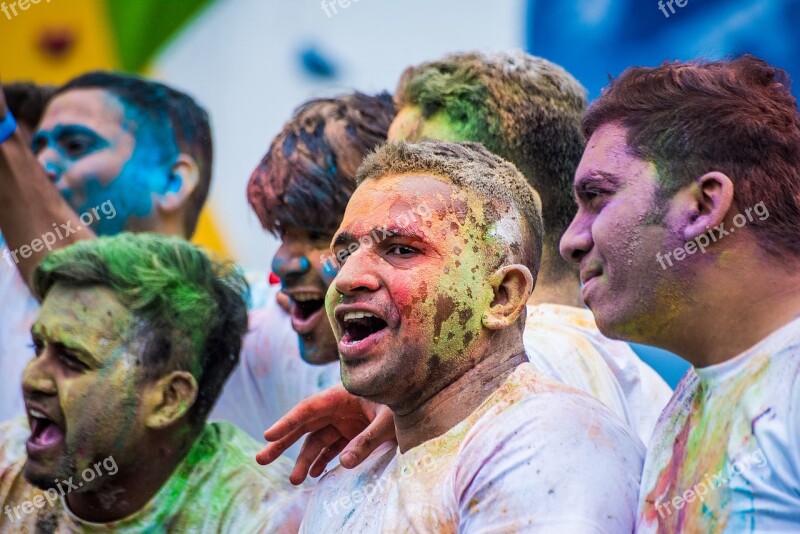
(45, 478)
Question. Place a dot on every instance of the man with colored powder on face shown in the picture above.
(686, 236)
(299, 192)
(135, 337)
(429, 318)
(125, 153)
(527, 110)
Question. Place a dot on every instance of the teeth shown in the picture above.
(37, 414)
(304, 297)
(349, 316)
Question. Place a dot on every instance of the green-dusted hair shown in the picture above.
(191, 308)
(523, 108)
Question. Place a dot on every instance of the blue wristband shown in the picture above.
(7, 126)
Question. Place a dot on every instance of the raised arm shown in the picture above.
(34, 217)
(335, 422)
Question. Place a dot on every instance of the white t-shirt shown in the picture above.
(271, 377)
(725, 455)
(536, 456)
(18, 310)
(564, 343)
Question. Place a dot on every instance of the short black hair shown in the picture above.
(27, 101)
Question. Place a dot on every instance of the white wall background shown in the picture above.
(240, 59)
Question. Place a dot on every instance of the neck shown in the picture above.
(457, 400)
(735, 308)
(124, 493)
(558, 282)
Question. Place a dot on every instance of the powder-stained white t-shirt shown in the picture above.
(18, 310)
(564, 343)
(271, 377)
(725, 455)
(535, 456)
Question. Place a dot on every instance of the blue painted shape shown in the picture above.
(315, 62)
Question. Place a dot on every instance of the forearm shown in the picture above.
(34, 217)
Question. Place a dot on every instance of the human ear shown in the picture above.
(513, 285)
(711, 197)
(169, 398)
(181, 183)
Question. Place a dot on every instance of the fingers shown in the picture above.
(311, 414)
(379, 431)
(283, 301)
(314, 444)
(273, 450)
(326, 456)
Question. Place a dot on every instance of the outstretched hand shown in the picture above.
(335, 422)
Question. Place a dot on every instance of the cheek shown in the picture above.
(99, 406)
(100, 168)
(412, 297)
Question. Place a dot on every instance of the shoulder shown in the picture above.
(257, 495)
(555, 457)
(555, 418)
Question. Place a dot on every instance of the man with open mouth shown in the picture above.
(299, 192)
(135, 337)
(429, 320)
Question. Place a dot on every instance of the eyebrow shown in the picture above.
(595, 176)
(40, 331)
(62, 131)
(381, 232)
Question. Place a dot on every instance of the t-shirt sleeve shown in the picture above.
(794, 423)
(571, 467)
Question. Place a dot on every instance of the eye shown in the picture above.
(75, 147)
(37, 346)
(400, 250)
(593, 196)
(71, 362)
(340, 256)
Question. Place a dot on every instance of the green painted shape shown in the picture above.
(140, 28)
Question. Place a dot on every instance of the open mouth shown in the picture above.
(358, 326)
(307, 310)
(45, 433)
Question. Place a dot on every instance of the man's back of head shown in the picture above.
(523, 108)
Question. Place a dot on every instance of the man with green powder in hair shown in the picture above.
(134, 340)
